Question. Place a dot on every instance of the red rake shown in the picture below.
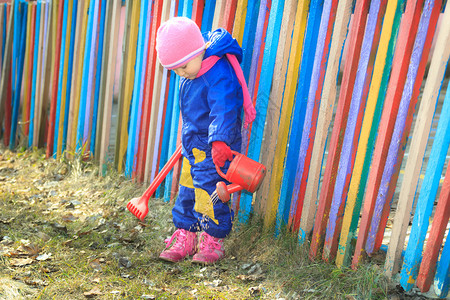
(139, 206)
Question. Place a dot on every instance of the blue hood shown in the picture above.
(221, 43)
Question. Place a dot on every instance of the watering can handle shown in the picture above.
(220, 171)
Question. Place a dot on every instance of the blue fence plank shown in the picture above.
(35, 74)
(136, 100)
(304, 80)
(262, 100)
(427, 196)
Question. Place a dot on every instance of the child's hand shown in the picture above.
(221, 152)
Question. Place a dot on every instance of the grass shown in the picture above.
(94, 248)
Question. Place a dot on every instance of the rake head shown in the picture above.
(138, 207)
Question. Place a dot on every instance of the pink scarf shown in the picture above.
(249, 110)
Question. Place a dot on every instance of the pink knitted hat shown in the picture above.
(178, 41)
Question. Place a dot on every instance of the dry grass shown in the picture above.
(65, 234)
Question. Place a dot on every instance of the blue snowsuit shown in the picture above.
(211, 107)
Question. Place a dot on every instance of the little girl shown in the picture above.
(211, 102)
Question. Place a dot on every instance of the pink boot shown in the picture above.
(185, 244)
(210, 249)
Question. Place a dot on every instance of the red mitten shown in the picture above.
(221, 152)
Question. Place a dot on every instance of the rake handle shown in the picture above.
(162, 174)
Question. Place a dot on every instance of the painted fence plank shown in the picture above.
(127, 78)
(41, 73)
(37, 79)
(408, 122)
(219, 12)
(109, 84)
(168, 112)
(208, 16)
(312, 109)
(147, 103)
(324, 119)
(419, 58)
(136, 101)
(418, 145)
(356, 103)
(279, 160)
(102, 104)
(85, 93)
(75, 92)
(58, 19)
(85, 137)
(330, 208)
(197, 11)
(185, 11)
(15, 52)
(122, 133)
(442, 279)
(160, 96)
(47, 74)
(440, 221)
(262, 100)
(182, 10)
(5, 71)
(427, 196)
(249, 36)
(18, 68)
(2, 31)
(304, 80)
(239, 20)
(229, 16)
(28, 70)
(121, 128)
(65, 125)
(253, 85)
(5, 83)
(171, 180)
(408, 29)
(62, 83)
(378, 85)
(57, 25)
(99, 59)
(33, 99)
(155, 72)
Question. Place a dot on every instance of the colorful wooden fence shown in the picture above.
(337, 90)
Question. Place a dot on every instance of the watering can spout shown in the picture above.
(244, 174)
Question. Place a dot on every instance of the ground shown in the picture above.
(65, 233)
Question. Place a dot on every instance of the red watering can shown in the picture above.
(244, 174)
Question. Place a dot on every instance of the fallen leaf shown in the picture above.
(95, 280)
(95, 264)
(67, 243)
(124, 262)
(92, 293)
(83, 233)
(7, 221)
(36, 282)
(59, 227)
(254, 290)
(250, 277)
(45, 256)
(69, 217)
(31, 249)
(20, 262)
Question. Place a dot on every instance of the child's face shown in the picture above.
(191, 69)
